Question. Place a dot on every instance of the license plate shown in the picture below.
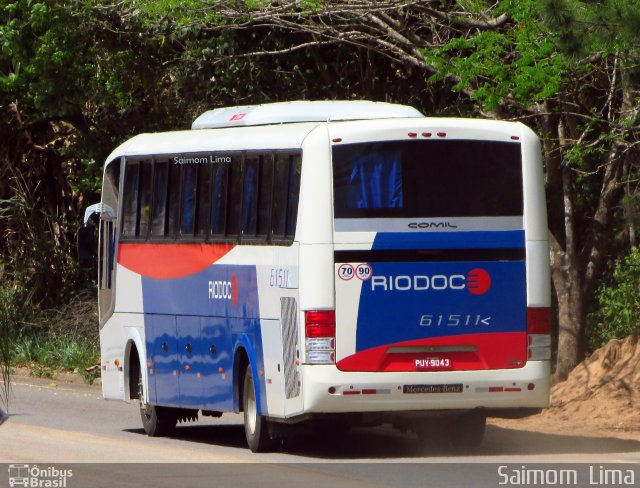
(433, 364)
(455, 388)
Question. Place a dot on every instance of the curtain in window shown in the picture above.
(375, 181)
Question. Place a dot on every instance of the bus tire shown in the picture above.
(256, 426)
(156, 421)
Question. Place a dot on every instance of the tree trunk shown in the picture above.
(571, 312)
(575, 266)
(567, 281)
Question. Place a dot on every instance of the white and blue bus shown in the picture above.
(346, 261)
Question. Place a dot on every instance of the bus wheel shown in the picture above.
(256, 427)
(156, 421)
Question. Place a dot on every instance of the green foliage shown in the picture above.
(8, 311)
(617, 314)
(71, 90)
(40, 41)
(519, 62)
(584, 27)
(45, 354)
(39, 263)
(49, 341)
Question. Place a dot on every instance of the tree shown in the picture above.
(618, 313)
(61, 78)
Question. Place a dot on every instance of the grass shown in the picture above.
(46, 354)
(5, 352)
(63, 339)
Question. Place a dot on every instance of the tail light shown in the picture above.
(538, 334)
(320, 331)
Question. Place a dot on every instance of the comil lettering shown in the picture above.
(432, 225)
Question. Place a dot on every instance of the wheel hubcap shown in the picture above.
(252, 410)
(145, 408)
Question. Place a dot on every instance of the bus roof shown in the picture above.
(301, 111)
(233, 139)
(291, 135)
(303, 116)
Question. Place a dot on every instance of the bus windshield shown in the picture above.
(450, 178)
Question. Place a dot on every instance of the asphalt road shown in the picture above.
(51, 424)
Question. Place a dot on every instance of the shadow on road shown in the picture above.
(385, 443)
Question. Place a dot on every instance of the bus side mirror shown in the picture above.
(87, 247)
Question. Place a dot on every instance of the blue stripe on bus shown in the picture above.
(193, 326)
(504, 239)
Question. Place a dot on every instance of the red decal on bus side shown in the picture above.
(167, 261)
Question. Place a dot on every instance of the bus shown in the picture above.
(345, 263)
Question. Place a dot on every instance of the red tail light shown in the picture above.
(539, 320)
(320, 323)
(320, 343)
(539, 334)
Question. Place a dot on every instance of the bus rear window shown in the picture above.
(455, 178)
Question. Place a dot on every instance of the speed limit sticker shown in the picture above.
(363, 271)
(345, 272)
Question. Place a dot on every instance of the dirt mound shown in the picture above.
(601, 395)
(604, 389)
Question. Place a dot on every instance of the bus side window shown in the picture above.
(294, 196)
(189, 188)
(108, 230)
(107, 253)
(264, 198)
(130, 199)
(173, 217)
(250, 196)
(280, 192)
(203, 210)
(159, 209)
(234, 199)
(286, 192)
(144, 207)
(219, 200)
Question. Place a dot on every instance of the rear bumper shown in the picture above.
(328, 390)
